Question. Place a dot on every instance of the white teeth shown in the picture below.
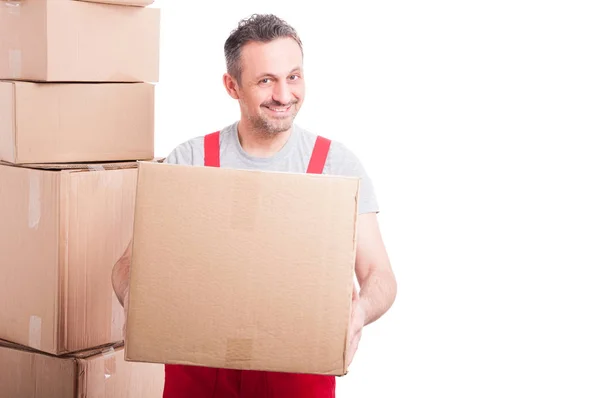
(279, 109)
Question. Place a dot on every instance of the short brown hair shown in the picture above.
(258, 27)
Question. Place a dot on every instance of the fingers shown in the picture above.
(355, 327)
(353, 347)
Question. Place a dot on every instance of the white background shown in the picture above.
(478, 122)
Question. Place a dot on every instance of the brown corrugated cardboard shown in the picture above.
(48, 40)
(60, 123)
(94, 374)
(139, 3)
(242, 269)
(61, 233)
(33, 375)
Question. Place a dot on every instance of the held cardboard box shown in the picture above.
(139, 3)
(98, 373)
(60, 123)
(242, 269)
(76, 41)
(60, 235)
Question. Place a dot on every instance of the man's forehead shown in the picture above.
(280, 56)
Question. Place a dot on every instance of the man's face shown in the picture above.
(272, 84)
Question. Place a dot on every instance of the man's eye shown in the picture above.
(265, 80)
(294, 77)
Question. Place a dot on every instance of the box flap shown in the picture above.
(97, 211)
(96, 351)
(97, 166)
(82, 354)
(29, 212)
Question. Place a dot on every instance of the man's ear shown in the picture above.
(231, 86)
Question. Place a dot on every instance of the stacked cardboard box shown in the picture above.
(98, 372)
(76, 114)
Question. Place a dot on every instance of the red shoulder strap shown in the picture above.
(212, 150)
(319, 155)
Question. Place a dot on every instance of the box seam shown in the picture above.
(62, 316)
(80, 376)
(15, 126)
(47, 36)
(354, 243)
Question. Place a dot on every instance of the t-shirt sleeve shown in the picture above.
(342, 161)
(182, 154)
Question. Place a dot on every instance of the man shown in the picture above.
(264, 59)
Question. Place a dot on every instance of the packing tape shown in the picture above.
(110, 363)
(96, 167)
(239, 350)
(35, 332)
(13, 6)
(35, 202)
(106, 180)
(14, 63)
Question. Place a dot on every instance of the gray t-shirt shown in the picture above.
(293, 157)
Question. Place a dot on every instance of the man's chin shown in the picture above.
(271, 130)
(272, 125)
(280, 125)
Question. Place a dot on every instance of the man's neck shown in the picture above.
(261, 144)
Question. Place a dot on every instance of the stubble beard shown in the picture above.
(269, 127)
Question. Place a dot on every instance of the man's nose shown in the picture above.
(282, 93)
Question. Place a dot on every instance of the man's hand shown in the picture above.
(357, 323)
(120, 281)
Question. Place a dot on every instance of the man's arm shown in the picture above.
(375, 277)
(373, 269)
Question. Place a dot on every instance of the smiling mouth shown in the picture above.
(279, 109)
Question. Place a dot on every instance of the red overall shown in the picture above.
(183, 381)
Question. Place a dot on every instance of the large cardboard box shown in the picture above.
(98, 373)
(242, 269)
(76, 41)
(61, 232)
(60, 123)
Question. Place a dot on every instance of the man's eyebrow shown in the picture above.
(263, 75)
(269, 74)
